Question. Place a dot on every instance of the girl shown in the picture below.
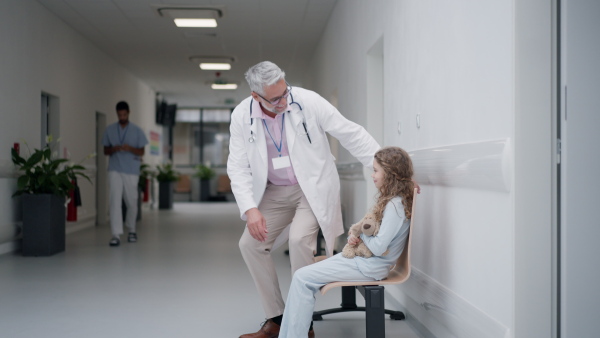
(393, 178)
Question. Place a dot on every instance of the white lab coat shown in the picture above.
(313, 163)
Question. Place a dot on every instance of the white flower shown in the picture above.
(48, 138)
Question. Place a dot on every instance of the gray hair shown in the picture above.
(263, 74)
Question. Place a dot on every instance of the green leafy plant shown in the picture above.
(145, 175)
(43, 173)
(166, 173)
(204, 172)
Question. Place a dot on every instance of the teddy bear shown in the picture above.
(368, 226)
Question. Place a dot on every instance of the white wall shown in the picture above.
(39, 53)
(454, 64)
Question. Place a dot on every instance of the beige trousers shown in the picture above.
(281, 205)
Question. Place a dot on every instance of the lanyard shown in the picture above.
(272, 139)
(122, 137)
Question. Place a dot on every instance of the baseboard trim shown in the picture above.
(432, 310)
(9, 247)
(71, 227)
(81, 224)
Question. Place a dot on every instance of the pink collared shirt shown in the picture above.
(283, 176)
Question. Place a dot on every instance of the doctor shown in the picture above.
(284, 177)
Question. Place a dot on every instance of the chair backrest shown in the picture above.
(184, 184)
(401, 270)
(223, 184)
(402, 267)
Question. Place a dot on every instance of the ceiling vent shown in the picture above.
(190, 12)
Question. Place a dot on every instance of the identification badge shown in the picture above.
(281, 162)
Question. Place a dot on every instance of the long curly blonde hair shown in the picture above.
(397, 180)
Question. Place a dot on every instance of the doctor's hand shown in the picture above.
(417, 186)
(257, 225)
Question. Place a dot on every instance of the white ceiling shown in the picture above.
(156, 51)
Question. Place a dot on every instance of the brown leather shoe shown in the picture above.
(311, 333)
(268, 330)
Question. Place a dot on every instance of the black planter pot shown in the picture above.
(43, 224)
(204, 190)
(165, 195)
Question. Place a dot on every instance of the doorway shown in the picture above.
(375, 101)
(50, 120)
(101, 172)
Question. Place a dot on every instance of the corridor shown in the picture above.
(184, 278)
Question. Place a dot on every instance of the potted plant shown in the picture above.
(43, 184)
(165, 176)
(204, 173)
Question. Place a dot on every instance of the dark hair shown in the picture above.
(122, 105)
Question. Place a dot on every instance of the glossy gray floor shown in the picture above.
(184, 278)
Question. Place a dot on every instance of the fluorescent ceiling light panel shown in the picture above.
(215, 66)
(225, 86)
(196, 23)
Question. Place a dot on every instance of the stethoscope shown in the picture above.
(253, 136)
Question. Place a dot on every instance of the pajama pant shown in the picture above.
(306, 283)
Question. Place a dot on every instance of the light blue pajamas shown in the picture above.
(308, 280)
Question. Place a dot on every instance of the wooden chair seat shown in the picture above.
(394, 277)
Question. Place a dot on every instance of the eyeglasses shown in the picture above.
(276, 100)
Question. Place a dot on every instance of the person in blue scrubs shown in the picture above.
(124, 142)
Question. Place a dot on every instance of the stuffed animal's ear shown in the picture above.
(355, 229)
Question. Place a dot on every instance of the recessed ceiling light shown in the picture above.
(195, 22)
(215, 66)
(225, 86)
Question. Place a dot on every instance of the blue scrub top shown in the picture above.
(124, 161)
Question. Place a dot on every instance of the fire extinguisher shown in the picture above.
(146, 190)
(75, 201)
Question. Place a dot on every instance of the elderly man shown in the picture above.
(284, 177)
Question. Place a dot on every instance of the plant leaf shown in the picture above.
(35, 158)
(18, 160)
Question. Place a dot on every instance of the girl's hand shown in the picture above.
(417, 186)
(353, 240)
